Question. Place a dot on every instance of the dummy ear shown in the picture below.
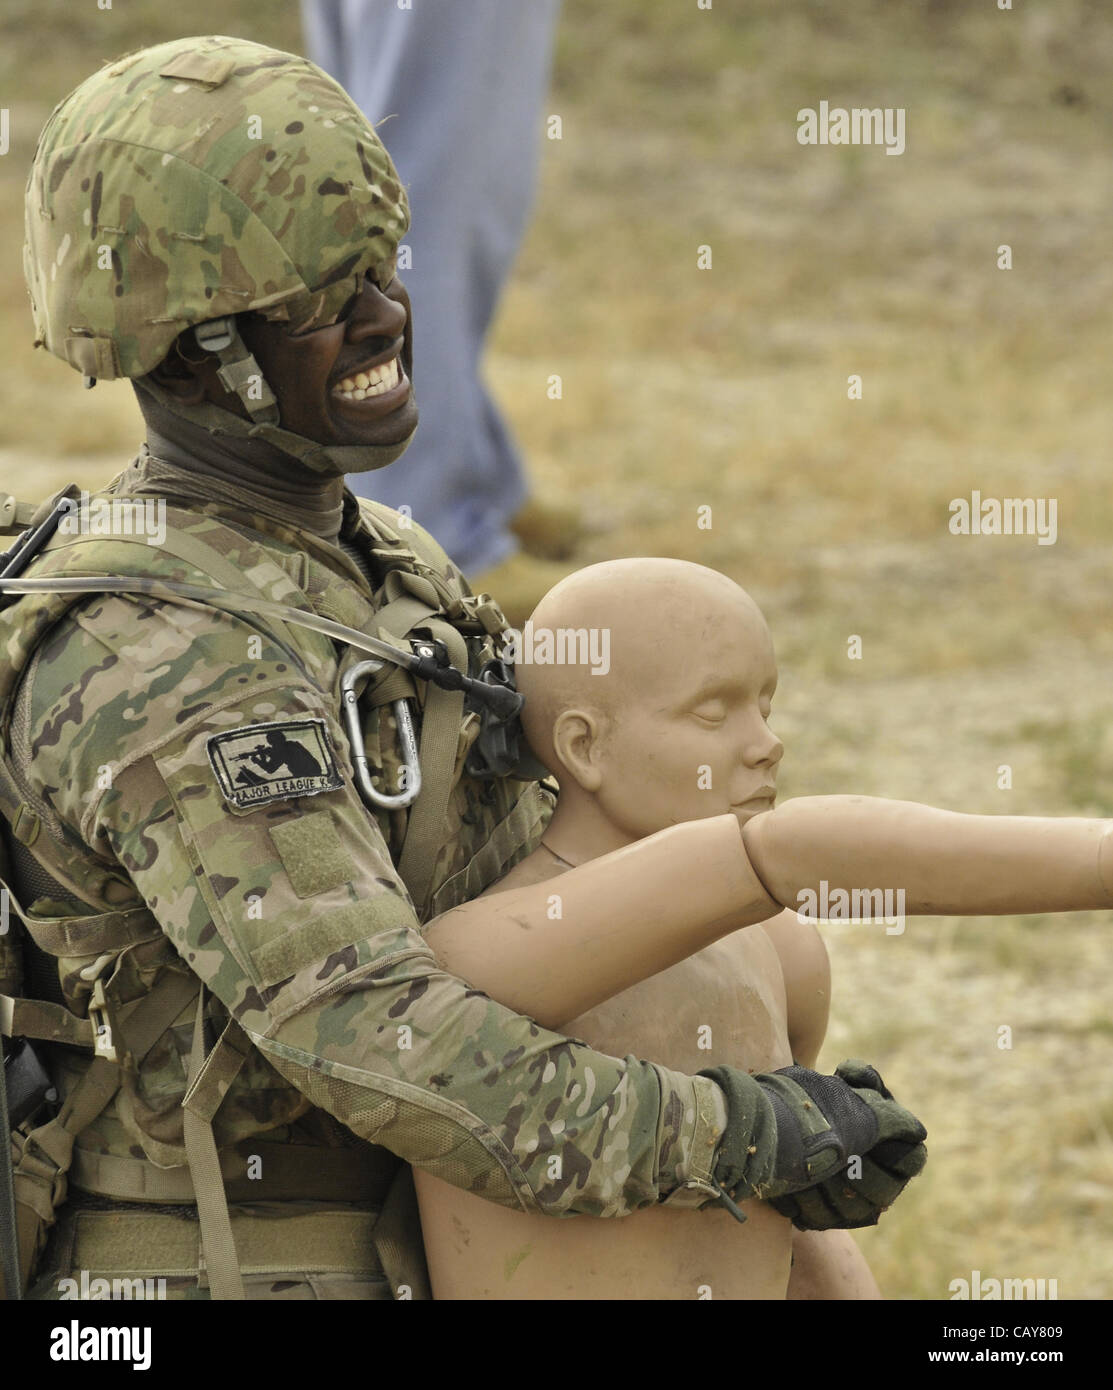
(576, 740)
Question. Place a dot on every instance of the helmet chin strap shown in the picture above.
(240, 373)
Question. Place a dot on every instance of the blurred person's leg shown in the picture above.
(460, 86)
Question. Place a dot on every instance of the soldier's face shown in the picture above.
(346, 384)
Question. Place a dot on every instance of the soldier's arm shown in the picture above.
(293, 915)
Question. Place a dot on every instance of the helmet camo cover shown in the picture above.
(203, 177)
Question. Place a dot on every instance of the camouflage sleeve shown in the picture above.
(156, 731)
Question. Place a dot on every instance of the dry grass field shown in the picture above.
(727, 387)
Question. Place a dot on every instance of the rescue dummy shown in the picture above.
(677, 730)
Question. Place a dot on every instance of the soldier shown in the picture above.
(251, 1038)
(279, 751)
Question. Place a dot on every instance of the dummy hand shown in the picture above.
(792, 1133)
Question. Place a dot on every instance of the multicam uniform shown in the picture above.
(291, 911)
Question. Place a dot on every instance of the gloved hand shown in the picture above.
(791, 1133)
(860, 1193)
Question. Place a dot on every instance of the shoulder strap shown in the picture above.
(11, 1275)
(440, 735)
(413, 602)
(192, 550)
(209, 1079)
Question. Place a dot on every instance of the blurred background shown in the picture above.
(727, 387)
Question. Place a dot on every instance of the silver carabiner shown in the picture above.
(411, 769)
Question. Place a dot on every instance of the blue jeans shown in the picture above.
(462, 83)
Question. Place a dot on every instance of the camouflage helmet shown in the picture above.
(193, 181)
(200, 178)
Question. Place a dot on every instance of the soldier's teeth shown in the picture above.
(374, 382)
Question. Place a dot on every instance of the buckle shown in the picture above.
(103, 1044)
(485, 611)
(214, 334)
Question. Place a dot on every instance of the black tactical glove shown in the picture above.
(791, 1134)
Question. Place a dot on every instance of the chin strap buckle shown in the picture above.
(215, 334)
(239, 372)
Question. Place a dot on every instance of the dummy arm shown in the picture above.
(556, 949)
(945, 862)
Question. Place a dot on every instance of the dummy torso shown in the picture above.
(757, 1000)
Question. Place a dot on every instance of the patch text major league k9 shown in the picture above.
(274, 762)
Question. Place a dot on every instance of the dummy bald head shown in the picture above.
(666, 620)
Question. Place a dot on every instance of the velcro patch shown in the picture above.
(274, 762)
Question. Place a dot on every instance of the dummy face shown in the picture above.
(677, 730)
(318, 376)
(700, 716)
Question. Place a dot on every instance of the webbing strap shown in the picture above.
(80, 878)
(440, 736)
(15, 515)
(191, 550)
(46, 1153)
(398, 1240)
(400, 615)
(217, 1242)
(99, 932)
(287, 1172)
(10, 1272)
(54, 1140)
(144, 1025)
(154, 1243)
(94, 933)
(442, 717)
(396, 619)
(221, 1067)
(398, 685)
(46, 1022)
(245, 379)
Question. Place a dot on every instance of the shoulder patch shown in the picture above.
(274, 762)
